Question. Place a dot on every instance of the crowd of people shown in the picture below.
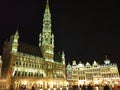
(76, 87)
(96, 87)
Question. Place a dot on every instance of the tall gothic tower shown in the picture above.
(46, 38)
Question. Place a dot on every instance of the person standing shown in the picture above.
(33, 88)
(106, 87)
(83, 87)
(89, 87)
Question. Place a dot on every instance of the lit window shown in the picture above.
(20, 58)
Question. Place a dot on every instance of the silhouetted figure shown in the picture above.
(75, 87)
(89, 87)
(33, 88)
(83, 87)
(80, 87)
(106, 87)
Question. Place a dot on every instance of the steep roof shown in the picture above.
(35, 51)
(29, 49)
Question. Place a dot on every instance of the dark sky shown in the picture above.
(85, 30)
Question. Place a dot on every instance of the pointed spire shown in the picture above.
(16, 36)
(16, 33)
(46, 39)
(47, 4)
(47, 1)
(14, 41)
(47, 9)
(63, 54)
(47, 18)
(63, 57)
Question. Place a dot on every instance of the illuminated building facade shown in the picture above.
(79, 74)
(36, 66)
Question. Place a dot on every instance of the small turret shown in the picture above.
(74, 63)
(95, 64)
(40, 39)
(63, 57)
(14, 42)
(69, 67)
(106, 61)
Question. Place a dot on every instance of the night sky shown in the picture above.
(85, 30)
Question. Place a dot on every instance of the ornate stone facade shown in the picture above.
(79, 74)
(26, 65)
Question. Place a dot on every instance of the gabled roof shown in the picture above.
(35, 51)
